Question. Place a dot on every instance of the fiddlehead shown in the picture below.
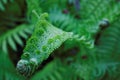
(44, 40)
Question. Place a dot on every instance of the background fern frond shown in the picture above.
(52, 71)
(33, 6)
(108, 44)
(3, 3)
(65, 22)
(7, 71)
(59, 19)
(108, 50)
(102, 10)
(15, 36)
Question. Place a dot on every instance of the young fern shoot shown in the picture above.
(44, 40)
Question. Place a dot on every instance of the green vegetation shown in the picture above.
(59, 39)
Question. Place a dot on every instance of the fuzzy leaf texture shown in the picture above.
(44, 40)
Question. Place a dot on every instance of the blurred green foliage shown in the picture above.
(91, 54)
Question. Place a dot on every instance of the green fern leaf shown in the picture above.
(11, 43)
(52, 71)
(33, 6)
(4, 46)
(8, 71)
(4, 1)
(14, 36)
(2, 4)
(17, 39)
(23, 34)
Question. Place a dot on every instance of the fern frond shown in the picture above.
(68, 23)
(112, 72)
(86, 66)
(87, 7)
(14, 36)
(44, 40)
(33, 6)
(3, 3)
(56, 70)
(51, 71)
(59, 19)
(108, 50)
(90, 64)
(7, 71)
(109, 40)
(51, 4)
(102, 10)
